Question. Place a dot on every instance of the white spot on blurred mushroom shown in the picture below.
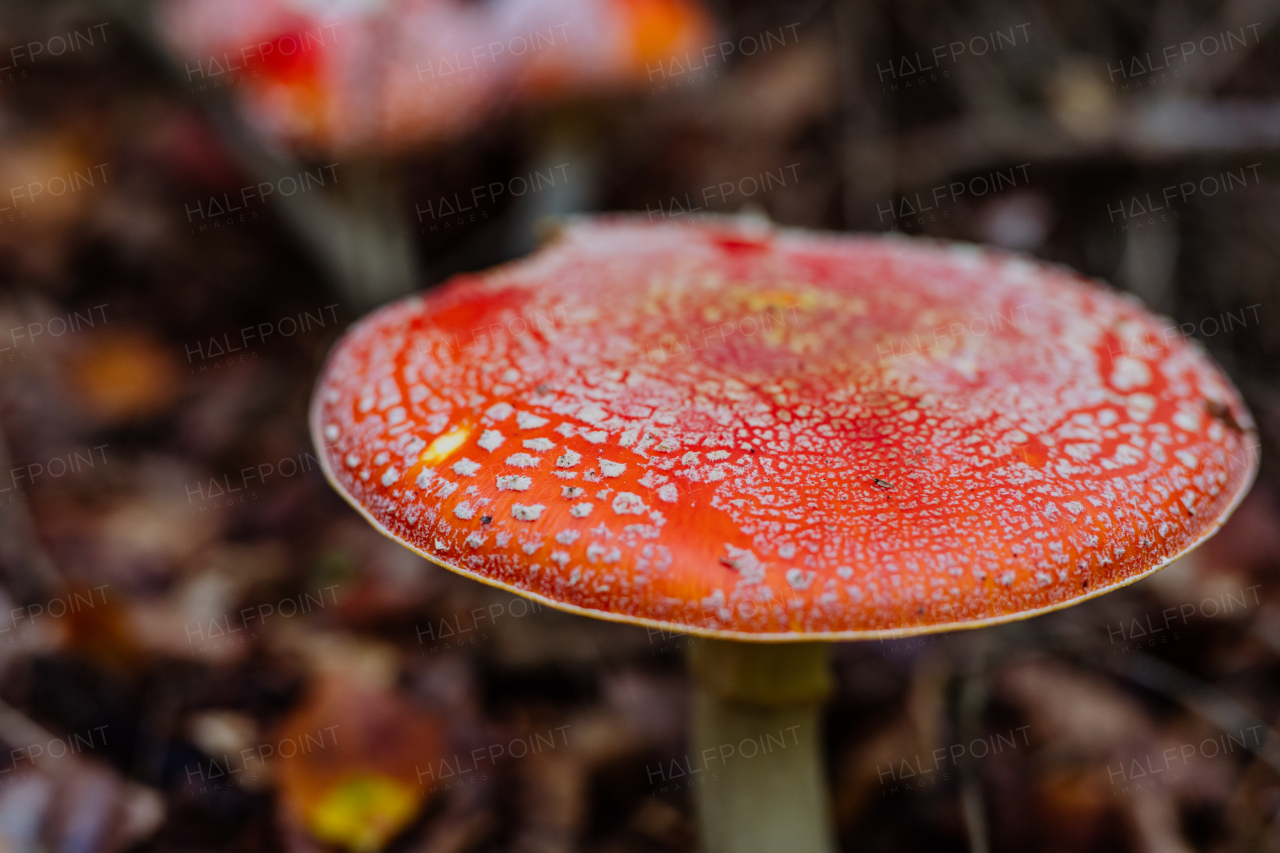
(569, 459)
(596, 436)
(560, 557)
(626, 503)
(382, 458)
(1074, 507)
(567, 537)
(1008, 578)
(1140, 407)
(331, 432)
(745, 563)
(667, 445)
(597, 552)
(440, 545)
(390, 395)
(787, 550)
(714, 601)
(352, 460)
(1127, 454)
(1016, 436)
(668, 493)
(542, 445)
(612, 469)
(845, 572)
(799, 579)
(390, 476)
(514, 483)
(1082, 451)
(464, 510)
(717, 455)
(527, 420)
(490, 439)
(531, 512)
(425, 476)
(690, 458)
(592, 414)
(570, 492)
(476, 539)
(447, 488)
(464, 467)
(1186, 458)
(628, 437)
(523, 460)
(396, 415)
(499, 411)
(1130, 373)
(581, 510)
(436, 423)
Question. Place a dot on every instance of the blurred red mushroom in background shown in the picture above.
(384, 77)
(373, 81)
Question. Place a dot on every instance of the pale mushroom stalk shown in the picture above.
(768, 695)
(360, 232)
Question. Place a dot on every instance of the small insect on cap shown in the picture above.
(762, 434)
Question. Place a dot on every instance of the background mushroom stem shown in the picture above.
(756, 731)
(358, 232)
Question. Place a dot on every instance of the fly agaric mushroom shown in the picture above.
(383, 77)
(371, 80)
(770, 438)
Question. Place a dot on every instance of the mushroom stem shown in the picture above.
(769, 794)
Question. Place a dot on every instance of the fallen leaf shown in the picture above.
(351, 779)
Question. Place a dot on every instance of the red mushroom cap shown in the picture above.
(766, 434)
(387, 76)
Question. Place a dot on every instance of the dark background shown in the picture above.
(126, 292)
